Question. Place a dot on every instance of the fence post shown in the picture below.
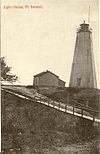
(65, 108)
(73, 110)
(34, 98)
(48, 102)
(40, 99)
(82, 113)
(93, 118)
(59, 105)
(53, 104)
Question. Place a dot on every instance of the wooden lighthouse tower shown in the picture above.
(83, 67)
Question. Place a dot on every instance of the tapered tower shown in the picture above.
(83, 67)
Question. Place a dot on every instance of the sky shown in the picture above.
(39, 39)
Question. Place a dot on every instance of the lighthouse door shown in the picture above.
(78, 82)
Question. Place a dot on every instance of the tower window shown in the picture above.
(78, 82)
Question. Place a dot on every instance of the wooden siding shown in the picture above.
(48, 79)
(61, 83)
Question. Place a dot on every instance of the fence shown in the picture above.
(83, 112)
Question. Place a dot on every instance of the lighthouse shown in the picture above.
(83, 73)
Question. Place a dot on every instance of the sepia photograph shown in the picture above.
(50, 80)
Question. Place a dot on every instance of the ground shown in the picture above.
(31, 128)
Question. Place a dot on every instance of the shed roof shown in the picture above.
(62, 80)
(42, 73)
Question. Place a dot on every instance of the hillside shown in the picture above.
(28, 127)
(78, 97)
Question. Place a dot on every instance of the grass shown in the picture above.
(35, 128)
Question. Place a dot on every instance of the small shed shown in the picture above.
(48, 79)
